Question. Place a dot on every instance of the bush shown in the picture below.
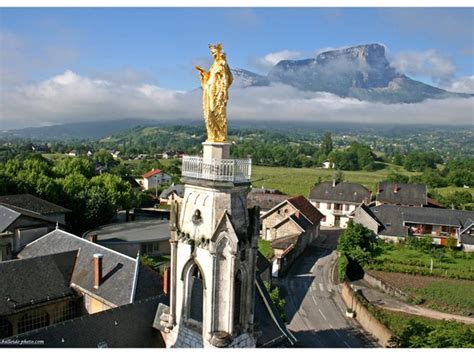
(276, 298)
(342, 267)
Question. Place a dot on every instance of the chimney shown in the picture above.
(333, 182)
(166, 281)
(297, 214)
(395, 189)
(97, 261)
(92, 238)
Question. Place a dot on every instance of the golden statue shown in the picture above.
(215, 88)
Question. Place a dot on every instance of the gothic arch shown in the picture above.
(190, 264)
(194, 296)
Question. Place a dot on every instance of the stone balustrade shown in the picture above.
(232, 170)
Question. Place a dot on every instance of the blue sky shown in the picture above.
(160, 46)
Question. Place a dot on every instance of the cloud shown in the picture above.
(20, 58)
(463, 84)
(425, 63)
(70, 97)
(268, 61)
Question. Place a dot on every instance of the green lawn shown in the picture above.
(445, 296)
(265, 248)
(397, 258)
(450, 189)
(298, 181)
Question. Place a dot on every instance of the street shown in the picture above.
(315, 311)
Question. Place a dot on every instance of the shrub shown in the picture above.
(342, 267)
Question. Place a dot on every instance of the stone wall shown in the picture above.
(370, 324)
(385, 287)
(243, 341)
(185, 338)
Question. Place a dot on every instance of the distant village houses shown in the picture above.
(155, 178)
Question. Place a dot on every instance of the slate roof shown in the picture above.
(32, 203)
(286, 241)
(27, 282)
(406, 194)
(311, 213)
(120, 277)
(121, 327)
(178, 189)
(7, 217)
(344, 192)
(265, 200)
(393, 217)
(131, 180)
(137, 231)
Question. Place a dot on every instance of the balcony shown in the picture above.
(231, 170)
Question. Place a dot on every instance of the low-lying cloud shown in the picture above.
(70, 97)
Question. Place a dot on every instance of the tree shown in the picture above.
(397, 178)
(339, 176)
(358, 243)
(71, 165)
(326, 144)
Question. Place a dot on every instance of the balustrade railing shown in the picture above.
(234, 170)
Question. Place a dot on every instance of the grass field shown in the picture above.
(451, 296)
(265, 248)
(298, 181)
(397, 258)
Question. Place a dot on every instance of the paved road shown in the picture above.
(316, 313)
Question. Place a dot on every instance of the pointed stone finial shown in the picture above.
(57, 225)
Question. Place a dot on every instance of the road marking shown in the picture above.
(322, 314)
(321, 287)
(346, 344)
(314, 300)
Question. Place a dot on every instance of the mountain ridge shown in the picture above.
(361, 72)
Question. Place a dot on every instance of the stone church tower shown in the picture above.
(213, 254)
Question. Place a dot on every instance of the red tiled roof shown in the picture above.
(151, 173)
(306, 208)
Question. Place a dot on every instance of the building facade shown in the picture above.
(337, 201)
(213, 254)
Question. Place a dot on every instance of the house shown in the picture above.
(389, 193)
(168, 154)
(155, 178)
(394, 223)
(37, 205)
(337, 200)
(266, 199)
(128, 326)
(146, 237)
(73, 153)
(104, 278)
(36, 292)
(115, 154)
(172, 193)
(290, 227)
(90, 153)
(24, 218)
(40, 148)
(328, 165)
